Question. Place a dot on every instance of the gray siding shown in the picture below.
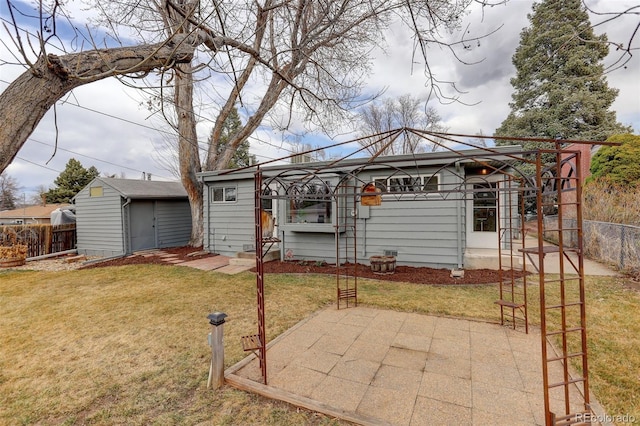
(425, 232)
(229, 226)
(173, 223)
(99, 222)
(315, 246)
(421, 232)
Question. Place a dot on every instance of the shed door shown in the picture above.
(142, 225)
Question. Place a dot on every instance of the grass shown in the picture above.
(128, 344)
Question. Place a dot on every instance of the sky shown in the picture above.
(106, 124)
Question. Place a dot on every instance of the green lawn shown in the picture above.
(128, 344)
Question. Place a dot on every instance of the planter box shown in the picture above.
(383, 264)
(11, 262)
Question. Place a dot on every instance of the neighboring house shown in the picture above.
(40, 214)
(435, 208)
(569, 171)
(586, 152)
(119, 216)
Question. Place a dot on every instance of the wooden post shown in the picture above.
(216, 341)
(48, 239)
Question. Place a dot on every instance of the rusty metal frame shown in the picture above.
(536, 186)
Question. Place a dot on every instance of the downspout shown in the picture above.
(459, 220)
(364, 237)
(125, 215)
(281, 207)
(206, 220)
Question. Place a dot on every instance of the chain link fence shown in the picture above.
(611, 243)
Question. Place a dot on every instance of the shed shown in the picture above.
(437, 209)
(120, 216)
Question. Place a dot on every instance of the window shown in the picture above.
(380, 183)
(226, 194)
(95, 191)
(407, 184)
(485, 207)
(430, 184)
(310, 203)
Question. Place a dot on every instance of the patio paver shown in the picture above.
(418, 370)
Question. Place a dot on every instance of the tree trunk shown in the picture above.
(188, 149)
(29, 97)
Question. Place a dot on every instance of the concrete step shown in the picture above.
(489, 259)
(273, 254)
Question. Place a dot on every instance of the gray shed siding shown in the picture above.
(173, 223)
(99, 222)
(229, 226)
(104, 222)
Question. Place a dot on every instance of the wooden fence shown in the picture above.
(41, 238)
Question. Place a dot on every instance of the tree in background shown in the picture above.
(38, 196)
(8, 192)
(618, 164)
(70, 181)
(560, 91)
(403, 111)
(230, 128)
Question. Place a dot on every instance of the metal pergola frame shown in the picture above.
(548, 187)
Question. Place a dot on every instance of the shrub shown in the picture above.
(608, 201)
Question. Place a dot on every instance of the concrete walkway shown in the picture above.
(219, 263)
(375, 367)
(552, 262)
(488, 258)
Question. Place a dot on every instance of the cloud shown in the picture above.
(126, 147)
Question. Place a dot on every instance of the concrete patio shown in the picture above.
(376, 367)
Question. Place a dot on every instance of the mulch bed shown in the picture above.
(402, 273)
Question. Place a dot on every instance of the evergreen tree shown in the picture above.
(72, 179)
(618, 164)
(560, 91)
(8, 192)
(230, 127)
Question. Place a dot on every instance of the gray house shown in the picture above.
(119, 216)
(439, 209)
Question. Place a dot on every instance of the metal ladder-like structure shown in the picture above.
(346, 244)
(562, 290)
(257, 343)
(511, 229)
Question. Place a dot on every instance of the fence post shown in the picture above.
(216, 341)
(622, 238)
(48, 239)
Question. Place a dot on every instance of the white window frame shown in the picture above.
(386, 181)
(226, 192)
(320, 227)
